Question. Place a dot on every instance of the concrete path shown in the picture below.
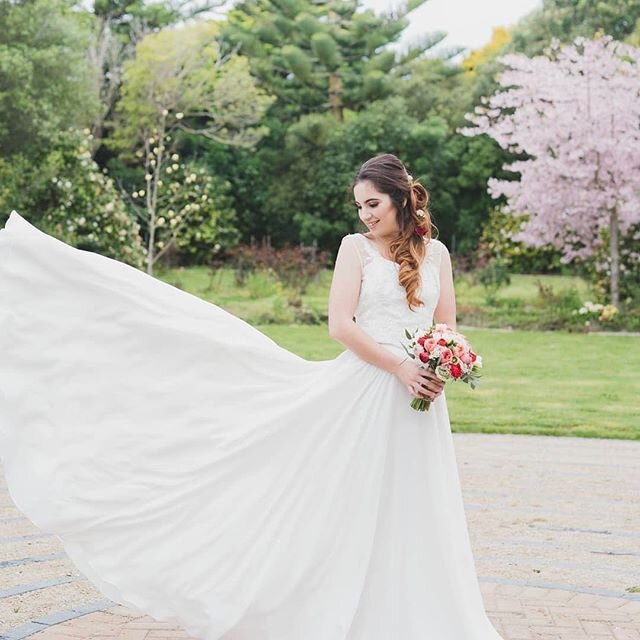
(554, 524)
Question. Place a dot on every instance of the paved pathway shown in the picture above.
(554, 524)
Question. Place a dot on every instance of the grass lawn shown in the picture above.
(537, 382)
(515, 307)
(543, 383)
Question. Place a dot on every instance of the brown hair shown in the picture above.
(389, 176)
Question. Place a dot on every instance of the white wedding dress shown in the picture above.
(196, 471)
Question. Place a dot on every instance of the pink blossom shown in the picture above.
(575, 114)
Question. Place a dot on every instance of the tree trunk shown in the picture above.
(335, 94)
(614, 252)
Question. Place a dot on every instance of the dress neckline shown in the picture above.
(387, 259)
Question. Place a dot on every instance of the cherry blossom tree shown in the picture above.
(573, 119)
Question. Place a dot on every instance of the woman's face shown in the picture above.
(375, 209)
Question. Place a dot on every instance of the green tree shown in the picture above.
(179, 82)
(323, 56)
(565, 20)
(119, 26)
(46, 84)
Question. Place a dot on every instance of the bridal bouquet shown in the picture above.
(447, 353)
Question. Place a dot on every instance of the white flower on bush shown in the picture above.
(148, 177)
(160, 221)
(603, 312)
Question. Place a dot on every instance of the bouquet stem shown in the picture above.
(420, 404)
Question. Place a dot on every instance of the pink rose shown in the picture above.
(429, 344)
(459, 350)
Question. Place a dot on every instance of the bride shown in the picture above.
(196, 471)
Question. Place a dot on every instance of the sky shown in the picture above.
(468, 23)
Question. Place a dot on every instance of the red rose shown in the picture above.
(421, 340)
(442, 342)
(424, 356)
(456, 370)
(473, 356)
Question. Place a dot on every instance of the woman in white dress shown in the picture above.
(196, 471)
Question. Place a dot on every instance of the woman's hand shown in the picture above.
(421, 383)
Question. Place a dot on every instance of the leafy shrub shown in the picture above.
(496, 242)
(294, 267)
(598, 268)
(262, 284)
(67, 196)
(493, 277)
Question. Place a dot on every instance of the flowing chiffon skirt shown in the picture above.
(196, 471)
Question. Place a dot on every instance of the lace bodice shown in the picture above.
(382, 310)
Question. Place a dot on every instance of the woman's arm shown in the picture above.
(445, 311)
(343, 300)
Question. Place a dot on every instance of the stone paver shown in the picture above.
(554, 524)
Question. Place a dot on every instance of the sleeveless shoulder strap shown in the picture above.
(434, 250)
(363, 247)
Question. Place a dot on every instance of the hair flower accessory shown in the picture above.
(421, 213)
(421, 230)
